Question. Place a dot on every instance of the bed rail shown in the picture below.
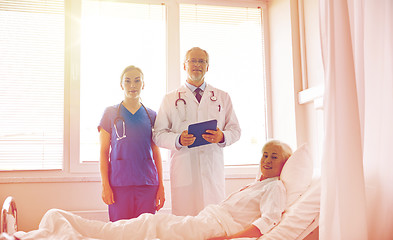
(9, 219)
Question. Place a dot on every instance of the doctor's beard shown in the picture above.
(196, 78)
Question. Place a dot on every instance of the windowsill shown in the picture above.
(47, 176)
(53, 179)
(231, 172)
(314, 95)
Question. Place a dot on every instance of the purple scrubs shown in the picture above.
(132, 173)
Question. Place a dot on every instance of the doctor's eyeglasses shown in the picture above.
(196, 61)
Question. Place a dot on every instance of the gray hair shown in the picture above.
(286, 150)
(196, 48)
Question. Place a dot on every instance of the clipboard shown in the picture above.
(198, 129)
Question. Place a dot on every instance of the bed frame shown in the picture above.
(9, 217)
(9, 220)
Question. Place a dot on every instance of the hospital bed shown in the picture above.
(299, 220)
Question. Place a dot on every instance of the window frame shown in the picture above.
(71, 164)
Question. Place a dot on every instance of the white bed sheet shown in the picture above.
(297, 222)
(59, 224)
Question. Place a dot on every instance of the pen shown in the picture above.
(219, 108)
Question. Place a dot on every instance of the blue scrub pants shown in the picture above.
(132, 201)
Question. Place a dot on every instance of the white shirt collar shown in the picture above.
(192, 87)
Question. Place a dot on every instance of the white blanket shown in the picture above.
(58, 224)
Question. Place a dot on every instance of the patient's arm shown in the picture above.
(250, 232)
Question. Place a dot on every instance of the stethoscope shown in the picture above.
(120, 118)
(212, 98)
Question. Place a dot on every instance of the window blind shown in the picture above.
(233, 37)
(31, 84)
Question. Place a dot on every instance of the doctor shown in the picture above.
(197, 174)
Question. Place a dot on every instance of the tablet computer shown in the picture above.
(200, 128)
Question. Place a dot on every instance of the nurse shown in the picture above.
(196, 174)
(130, 162)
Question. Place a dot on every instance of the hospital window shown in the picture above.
(113, 36)
(31, 84)
(233, 37)
(61, 69)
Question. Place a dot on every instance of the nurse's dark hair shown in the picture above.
(286, 150)
(130, 68)
(196, 48)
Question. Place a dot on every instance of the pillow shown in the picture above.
(297, 174)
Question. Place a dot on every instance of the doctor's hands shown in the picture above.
(214, 136)
(107, 195)
(210, 136)
(186, 139)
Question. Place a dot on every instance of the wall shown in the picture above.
(315, 77)
(296, 73)
(281, 72)
(35, 198)
(297, 76)
(292, 122)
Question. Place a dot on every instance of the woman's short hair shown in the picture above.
(285, 148)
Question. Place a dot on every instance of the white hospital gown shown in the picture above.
(261, 204)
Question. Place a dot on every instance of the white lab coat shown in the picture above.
(196, 174)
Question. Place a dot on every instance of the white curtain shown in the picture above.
(357, 168)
